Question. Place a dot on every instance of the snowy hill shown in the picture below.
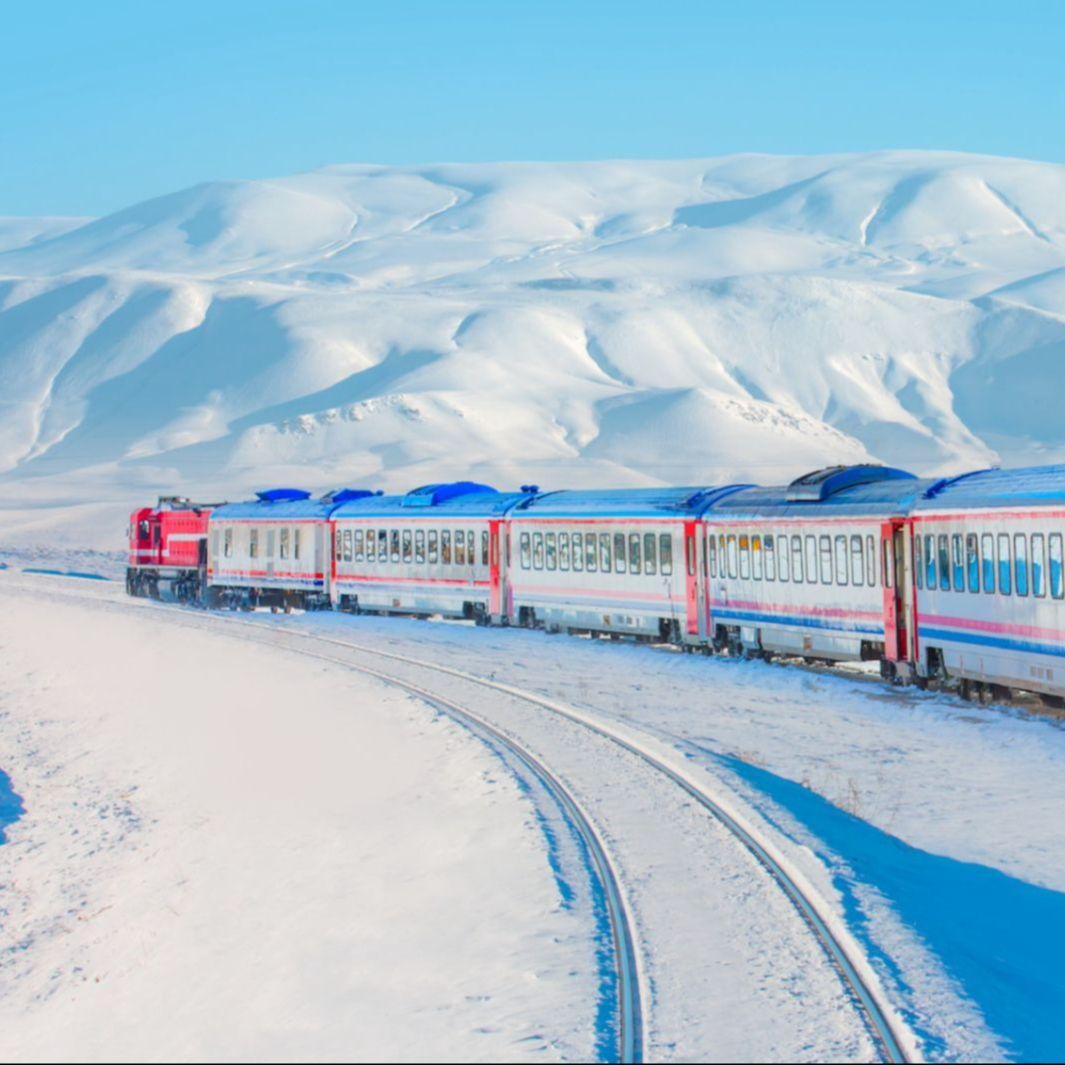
(611, 323)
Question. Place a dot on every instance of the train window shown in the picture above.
(357, 545)
(484, 547)
(460, 547)
(650, 554)
(972, 561)
(689, 554)
(1039, 562)
(537, 550)
(605, 554)
(918, 561)
(930, 561)
(408, 554)
(563, 551)
(745, 557)
(619, 552)
(665, 553)
(551, 550)
(577, 540)
(284, 535)
(956, 563)
(810, 558)
(445, 547)
(214, 543)
(870, 561)
(347, 544)
(944, 562)
(525, 550)
(296, 542)
(419, 546)
(1057, 584)
(253, 543)
(770, 557)
(733, 569)
(757, 561)
(840, 552)
(393, 545)
(591, 553)
(857, 561)
(270, 538)
(887, 566)
(634, 552)
(227, 542)
(797, 568)
(825, 551)
(1020, 563)
(1004, 583)
(783, 559)
(987, 562)
(471, 549)
(711, 555)
(433, 547)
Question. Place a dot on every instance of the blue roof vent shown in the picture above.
(822, 484)
(933, 490)
(282, 495)
(432, 495)
(706, 497)
(348, 495)
(530, 489)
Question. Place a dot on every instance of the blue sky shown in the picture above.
(111, 102)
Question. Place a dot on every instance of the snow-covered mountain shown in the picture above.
(610, 323)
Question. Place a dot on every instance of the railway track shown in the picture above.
(891, 1039)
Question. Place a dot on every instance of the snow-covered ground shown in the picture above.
(226, 854)
(748, 317)
(930, 826)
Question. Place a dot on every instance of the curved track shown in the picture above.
(880, 1019)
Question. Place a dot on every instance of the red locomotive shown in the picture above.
(168, 550)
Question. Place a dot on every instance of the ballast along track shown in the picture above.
(888, 1035)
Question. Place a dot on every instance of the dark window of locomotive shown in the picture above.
(665, 553)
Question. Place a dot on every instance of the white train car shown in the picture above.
(272, 551)
(439, 549)
(817, 569)
(990, 588)
(617, 561)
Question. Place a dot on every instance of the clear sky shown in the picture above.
(107, 102)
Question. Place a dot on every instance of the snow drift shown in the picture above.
(611, 323)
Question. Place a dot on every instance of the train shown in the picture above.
(952, 581)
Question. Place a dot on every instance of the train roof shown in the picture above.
(625, 502)
(846, 490)
(289, 504)
(1029, 486)
(464, 499)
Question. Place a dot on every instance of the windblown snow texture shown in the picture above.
(609, 323)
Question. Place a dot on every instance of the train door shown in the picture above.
(691, 577)
(897, 586)
(495, 568)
